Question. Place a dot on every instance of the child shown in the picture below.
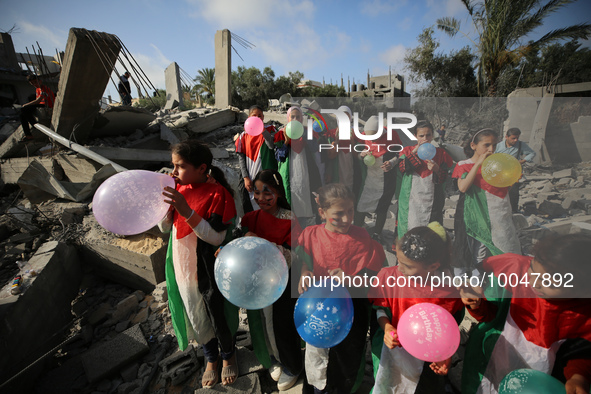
(298, 170)
(421, 252)
(422, 195)
(341, 165)
(275, 223)
(44, 99)
(202, 213)
(379, 185)
(483, 222)
(254, 154)
(537, 315)
(338, 248)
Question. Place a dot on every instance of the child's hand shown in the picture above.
(577, 384)
(338, 273)
(217, 252)
(248, 184)
(417, 147)
(390, 336)
(482, 157)
(441, 367)
(177, 200)
(304, 281)
(387, 166)
(250, 234)
(432, 166)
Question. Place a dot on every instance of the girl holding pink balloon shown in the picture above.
(338, 248)
(483, 224)
(416, 321)
(201, 213)
(538, 315)
(422, 189)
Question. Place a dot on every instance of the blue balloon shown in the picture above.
(251, 272)
(426, 151)
(323, 317)
(530, 381)
(317, 127)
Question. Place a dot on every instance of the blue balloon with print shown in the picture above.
(317, 127)
(530, 381)
(323, 317)
(426, 151)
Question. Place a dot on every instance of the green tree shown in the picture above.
(501, 26)
(440, 75)
(252, 86)
(205, 84)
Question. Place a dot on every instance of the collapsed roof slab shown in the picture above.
(88, 64)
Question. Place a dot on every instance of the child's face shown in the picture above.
(339, 216)
(257, 113)
(408, 267)
(295, 115)
(265, 196)
(542, 284)
(424, 134)
(186, 173)
(487, 143)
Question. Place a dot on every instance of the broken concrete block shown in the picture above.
(12, 169)
(247, 361)
(578, 193)
(564, 226)
(182, 122)
(552, 209)
(577, 212)
(179, 366)
(548, 188)
(160, 294)
(100, 314)
(520, 221)
(130, 372)
(212, 121)
(109, 357)
(569, 172)
(578, 227)
(124, 308)
(564, 182)
(568, 203)
(141, 316)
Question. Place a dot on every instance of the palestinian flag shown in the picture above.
(258, 155)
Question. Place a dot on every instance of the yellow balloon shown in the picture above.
(501, 170)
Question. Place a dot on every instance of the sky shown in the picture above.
(323, 39)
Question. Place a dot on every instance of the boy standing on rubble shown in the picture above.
(44, 99)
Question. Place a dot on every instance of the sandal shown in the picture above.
(230, 371)
(210, 376)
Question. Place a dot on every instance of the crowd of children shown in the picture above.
(538, 322)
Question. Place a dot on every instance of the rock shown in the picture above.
(125, 307)
(584, 228)
(182, 122)
(99, 315)
(139, 295)
(180, 365)
(577, 212)
(552, 209)
(569, 172)
(130, 372)
(144, 371)
(548, 188)
(141, 316)
(158, 306)
(160, 294)
(122, 326)
(520, 221)
(564, 182)
(533, 220)
(147, 301)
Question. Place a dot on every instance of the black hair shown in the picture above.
(253, 107)
(424, 246)
(513, 131)
(331, 192)
(422, 124)
(217, 174)
(273, 178)
(193, 152)
(476, 138)
(566, 254)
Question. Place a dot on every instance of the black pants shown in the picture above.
(514, 197)
(246, 204)
(28, 117)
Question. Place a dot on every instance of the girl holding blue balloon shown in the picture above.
(422, 252)
(424, 171)
(537, 316)
(201, 213)
(278, 350)
(344, 251)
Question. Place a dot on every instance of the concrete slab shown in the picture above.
(12, 169)
(109, 357)
(244, 384)
(77, 169)
(212, 121)
(12, 147)
(33, 322)
(144, 155)
(564, 226)
(121, 120)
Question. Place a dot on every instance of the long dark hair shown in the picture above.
(273, 179)
(194, 152)
(218, 174)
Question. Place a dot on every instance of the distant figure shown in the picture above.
(44, 98)
(125, 88)
(517, 149)
(441, 133)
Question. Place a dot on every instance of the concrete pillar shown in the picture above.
(223, 68)
(7, 54)
(88, 64)
(538, 133)
(174, 91)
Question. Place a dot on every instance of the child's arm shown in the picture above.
(305, 273)
(390, 335)
(578, 376)
(244, 171)
(464, 184)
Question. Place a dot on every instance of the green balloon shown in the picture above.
(530, 381)
(369, 160)
(294, 130)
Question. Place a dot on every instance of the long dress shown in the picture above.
(196, 304)
(272, 329)
(355, 253)
(527, 332)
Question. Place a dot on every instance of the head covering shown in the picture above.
(346, 109)
(371, 126)
(294, 109)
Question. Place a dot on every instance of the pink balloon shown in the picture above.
(131, 202)
(428, 332)
(254, 126)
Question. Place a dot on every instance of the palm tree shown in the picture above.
(205, 83)
(502, 26)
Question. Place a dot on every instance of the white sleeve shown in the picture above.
(208, 234)
(381, 313)
(165, 225)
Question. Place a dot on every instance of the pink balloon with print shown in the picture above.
(428, 332)
(254, 126)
